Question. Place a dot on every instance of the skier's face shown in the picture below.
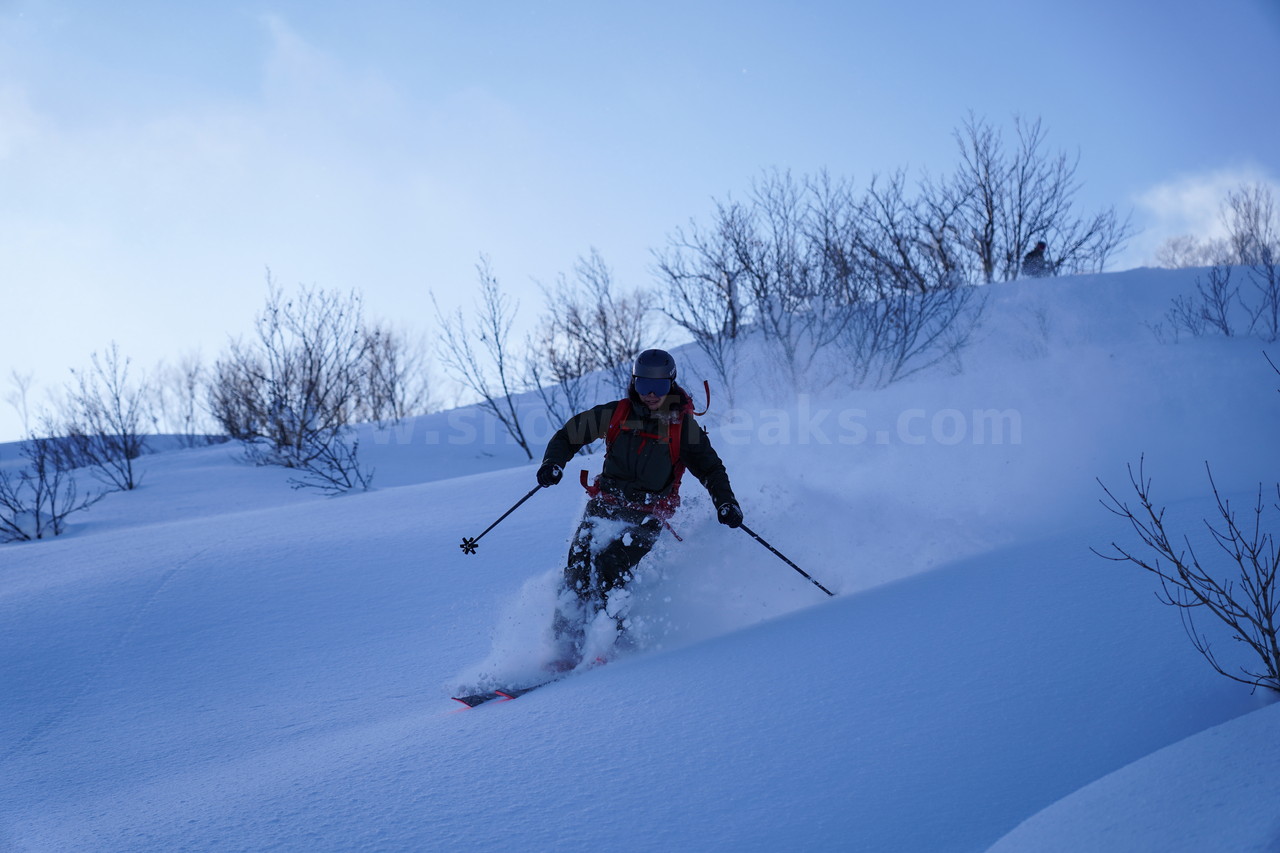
(651, 391)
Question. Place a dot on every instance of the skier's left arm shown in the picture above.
(704, 463)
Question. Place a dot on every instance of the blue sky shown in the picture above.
(156, 158)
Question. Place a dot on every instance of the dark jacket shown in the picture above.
(638, 464)
(1034, 263)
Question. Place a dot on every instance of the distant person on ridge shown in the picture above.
(650, 438)
(1034, 263)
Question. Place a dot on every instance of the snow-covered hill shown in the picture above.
(216, 662)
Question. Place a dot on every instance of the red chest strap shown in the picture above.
(667, 505)
(620, 412)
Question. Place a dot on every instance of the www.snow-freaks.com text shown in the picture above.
(803, 424)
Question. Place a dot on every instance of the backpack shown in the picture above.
(666, 506)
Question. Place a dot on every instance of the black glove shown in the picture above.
(549, 474)
(729, 514)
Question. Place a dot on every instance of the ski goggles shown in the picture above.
(645, 386)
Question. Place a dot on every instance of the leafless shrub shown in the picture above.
(703, 296)
(102, 423)
(780, 242)
(1253, 233)
(903, 244)
(36, 501)
(333, 467)
(19, 397)
(768, 264)
(611, 328)
(1186, 250)
(478, 354)
(814, 267)
(1254, 229)
(1010, 199)
(1264, 302)
(587, 327)
(396, 383)
(1219, 305)
(1214, 306)
(178, 393)
(812, 263)
(892, 337)
(559, 370)
(1244, 593)
(289, 395)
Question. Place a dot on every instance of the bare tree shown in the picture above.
(36, 501)
(586, 327)
(1220, 304)
(178, 393)
(290, 395)
(981, 180)
(589, 315)
(103, 417)
(1253, 233)
(333, 467)
(777, 263)
(874, 277)
(560, 371)
(18, 397)
(1244, 595)
(1264, 308)
(1215, 305)
(1186, 250)
(1254, 236)
(1012, 199)
(905, 243)
(890, 265)
(778, 246)
(897, 335)
(478, 354)
(701, 280)
(396, 380)
(939, 213)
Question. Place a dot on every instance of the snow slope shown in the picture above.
(1212, 791)
(216, 662)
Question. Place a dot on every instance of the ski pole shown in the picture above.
(781, 556)
(469, 545)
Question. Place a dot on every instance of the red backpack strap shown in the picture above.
(673, 442)
(620, 411)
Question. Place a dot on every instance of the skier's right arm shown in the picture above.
(577, 432)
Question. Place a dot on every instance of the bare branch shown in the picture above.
(36, 501)
(1245, 595)
(290, 396)
(478, 355)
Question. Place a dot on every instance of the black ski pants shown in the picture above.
(610, 541)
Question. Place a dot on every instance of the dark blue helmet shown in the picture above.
(654, 364)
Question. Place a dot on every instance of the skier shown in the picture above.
(1034, 263)
(651, 437)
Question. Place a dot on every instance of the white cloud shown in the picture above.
(1190, 204)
